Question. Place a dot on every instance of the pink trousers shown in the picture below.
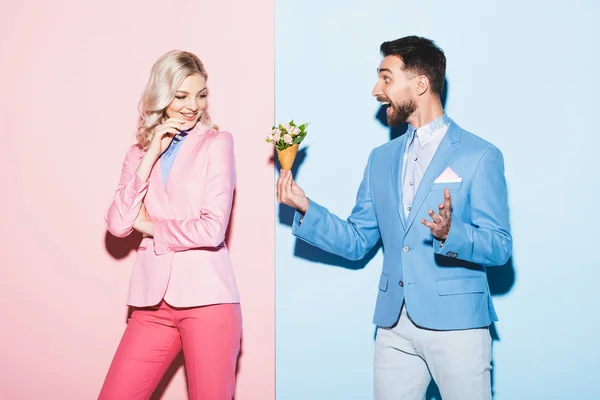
(210, 339)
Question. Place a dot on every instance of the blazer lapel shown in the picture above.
(187, 148)
(397, 158)
(157, 183)
(440, 159)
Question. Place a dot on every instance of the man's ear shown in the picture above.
(422, 84)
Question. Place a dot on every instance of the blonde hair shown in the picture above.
(167, 74)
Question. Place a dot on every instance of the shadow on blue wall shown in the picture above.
(501, 279)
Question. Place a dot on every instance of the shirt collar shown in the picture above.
(180, 136)
(427, 132)
(177, 139)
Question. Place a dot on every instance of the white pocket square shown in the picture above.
(448, 176)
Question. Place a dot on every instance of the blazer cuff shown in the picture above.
(309, 220)
(454, 246)
(160, 244)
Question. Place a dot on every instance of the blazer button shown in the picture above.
(406, 249)
(401, 283)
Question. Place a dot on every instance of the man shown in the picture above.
(433, 307)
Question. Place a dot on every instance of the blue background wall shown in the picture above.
(521, 75)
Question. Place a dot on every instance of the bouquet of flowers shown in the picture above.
(286, 139)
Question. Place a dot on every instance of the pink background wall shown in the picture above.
(71, 78)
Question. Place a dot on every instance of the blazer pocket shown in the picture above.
(463, 285)
(383, 282)
(449, 185)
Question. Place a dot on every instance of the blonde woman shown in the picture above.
(176, 188)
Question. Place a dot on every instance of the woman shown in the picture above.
(176, 188)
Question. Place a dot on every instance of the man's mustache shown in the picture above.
(383, 99)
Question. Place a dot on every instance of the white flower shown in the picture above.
(288, 139)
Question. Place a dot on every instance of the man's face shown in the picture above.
(394, 88)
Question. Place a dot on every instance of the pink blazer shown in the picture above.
(186, 262)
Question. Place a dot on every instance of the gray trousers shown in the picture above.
(407, 357)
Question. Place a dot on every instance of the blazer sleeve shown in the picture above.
(486, 240)
(351, 238)
(127, 200)
(209, 229)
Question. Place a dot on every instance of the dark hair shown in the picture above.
(419, 55)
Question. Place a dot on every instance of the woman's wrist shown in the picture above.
(144, 226)
(151, 155)
(146, 165)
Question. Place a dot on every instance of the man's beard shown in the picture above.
(399, 115)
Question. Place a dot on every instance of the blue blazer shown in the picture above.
(443, 287)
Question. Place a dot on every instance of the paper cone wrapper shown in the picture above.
(287, 156)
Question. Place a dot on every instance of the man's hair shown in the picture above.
(421, 56)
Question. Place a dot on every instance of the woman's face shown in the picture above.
(190, 101)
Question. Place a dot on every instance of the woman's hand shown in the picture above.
(163, 136)
(143, 224)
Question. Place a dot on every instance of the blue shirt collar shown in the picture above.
(180, 136)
